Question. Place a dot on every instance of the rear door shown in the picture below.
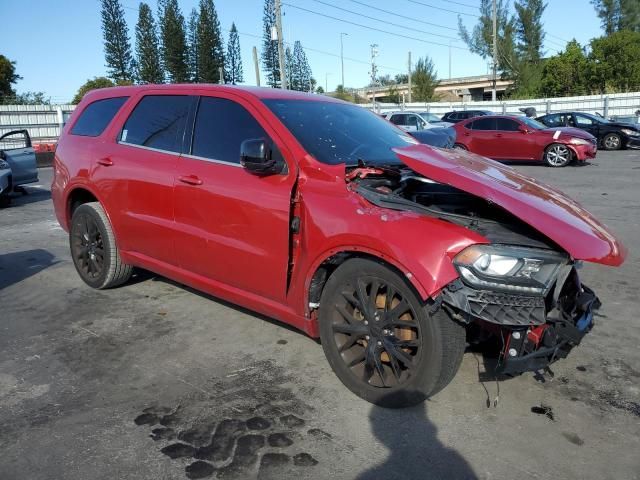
(16, 149)
(234, 225)
(402, 121)
(483, 137)
(585, 123)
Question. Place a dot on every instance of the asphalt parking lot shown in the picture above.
(133, 382)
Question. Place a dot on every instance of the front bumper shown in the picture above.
(633, 142)
(584, 152)
(535, 331)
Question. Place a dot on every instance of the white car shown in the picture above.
(412, 121)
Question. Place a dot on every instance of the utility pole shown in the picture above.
(255, 64)
(449, 59)
(374, 72)
(283, 74)
(495, 50)
(221, 75)
(326, 82)
(342, 34)
(409, 76)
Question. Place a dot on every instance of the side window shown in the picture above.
(582, 121)
(96, 116)
(221, 126)
(397, 119)
(14, 140)
(507, 125)
(412, 120)
(484, 124)
(451, 116)
(158, 122)
(553, 120)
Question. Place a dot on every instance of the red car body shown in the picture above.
(262, 241)
(521, 139)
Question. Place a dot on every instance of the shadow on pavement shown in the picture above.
(414, 448)
(32, 195)
(15, 267)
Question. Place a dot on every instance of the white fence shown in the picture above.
(44, 122)
(606, 105)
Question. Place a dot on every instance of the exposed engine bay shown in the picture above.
(535, 326)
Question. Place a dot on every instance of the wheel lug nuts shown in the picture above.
(379, 343)
(366, 337)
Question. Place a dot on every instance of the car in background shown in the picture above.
(503, 137)
(436, 137)
(632, 119)
(17, 163)
(434, 119)
(409, 121)
(611, 135)
(460, 115)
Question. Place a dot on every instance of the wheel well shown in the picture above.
(329, 265)
(76, 198)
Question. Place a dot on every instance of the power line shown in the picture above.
(463, 4)
(388, 12)
(443, 9)
(373, 28)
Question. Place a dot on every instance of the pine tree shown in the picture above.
(629, 15)
(301, 75)
(288, 67)
(210, 45)
(529, 29)
(609, 13)
(173, 41)
(233, 61)
(192, 46)
(117, 49)
(424, 80)
(269, 53)
(148, 64)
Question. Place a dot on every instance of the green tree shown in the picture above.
(210, 46)
(424, 80)
(117, 49)
(480, 39)
(233, 60)
(93, 84)
(342, 93)
(300, 72)
(394, 95)
(629, 15)
(269, 52)
(149, 67)
(320, 90)
(192, 46)
(402, 78)
(614, 62)
(8, 77)
(29, 98)
(529, 29)
(616, 15)
(566, 74)
(173, 43)
(288, 65)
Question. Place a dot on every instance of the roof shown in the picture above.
(261, 93)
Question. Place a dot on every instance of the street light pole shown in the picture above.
(342, 34)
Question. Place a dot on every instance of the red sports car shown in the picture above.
(503, 137)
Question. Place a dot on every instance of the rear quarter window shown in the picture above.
(96, 116)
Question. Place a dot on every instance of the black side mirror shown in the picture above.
(257, 156)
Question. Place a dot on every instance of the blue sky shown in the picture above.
(58, 44)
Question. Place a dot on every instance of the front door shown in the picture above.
(483, 137)
(17, 151)
(233, 225)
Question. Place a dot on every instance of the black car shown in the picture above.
(611, 135)
(458, 116)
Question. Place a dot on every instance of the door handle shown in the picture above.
(498, 134)
(107, 162)
(190, 179)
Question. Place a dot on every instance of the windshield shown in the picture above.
(536, 125)
(337, 133)
(430, 117)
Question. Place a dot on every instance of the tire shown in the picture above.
(558, 155)
(394, 354)
(460, 146)
(612, 141)
(94, 250)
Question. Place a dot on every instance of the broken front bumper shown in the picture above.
(535, 330)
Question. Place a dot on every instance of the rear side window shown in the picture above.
(483, 124)
(157, 122)
(398, 119)
(507, 125)
(221, 126)
(96, 116)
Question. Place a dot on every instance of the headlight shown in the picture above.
(4, 164)
(579, 141)
(631, 133)
(509, 268)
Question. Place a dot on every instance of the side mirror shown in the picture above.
(257, 157)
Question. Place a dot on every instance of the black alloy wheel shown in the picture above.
(87, 247)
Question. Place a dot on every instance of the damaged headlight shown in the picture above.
(509, 268)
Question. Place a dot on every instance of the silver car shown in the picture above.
(412, 121)
(17, 163)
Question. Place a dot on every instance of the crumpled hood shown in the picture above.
(544, 208)
(570, 132)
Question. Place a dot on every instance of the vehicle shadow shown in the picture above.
(16, 266)
(414, 448)
(32, 195)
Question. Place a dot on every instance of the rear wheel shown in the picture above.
(380, 339)
(94, 250)
(557, 155)
(612, 141)
(459, 146)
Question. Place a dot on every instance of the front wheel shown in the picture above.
(612, 141)
(557, 155)
(381, 341)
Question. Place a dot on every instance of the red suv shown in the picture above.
(323, 215)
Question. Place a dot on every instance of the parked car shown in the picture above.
(409, 121)
(503, 137)
(17, 163)
(434, 119)
(323, 215)
(632, 119)
(436, 137)
(460, 115)
(611, 135)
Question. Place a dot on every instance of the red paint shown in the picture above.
(225, 231)
(525, 145)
